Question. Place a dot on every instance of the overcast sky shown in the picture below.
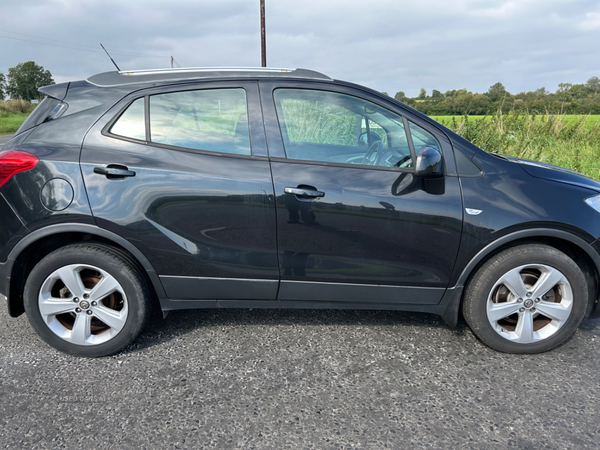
(389, 45)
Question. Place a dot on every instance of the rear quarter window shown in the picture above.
(131, 123)
(39, 114)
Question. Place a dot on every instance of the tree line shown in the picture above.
(23, 81)
(568, 99)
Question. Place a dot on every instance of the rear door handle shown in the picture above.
(303, 192)
(114, 171)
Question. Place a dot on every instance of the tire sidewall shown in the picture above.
(478, 291)
(132, 284)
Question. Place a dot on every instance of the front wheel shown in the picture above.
(526, 299)
(87, 300)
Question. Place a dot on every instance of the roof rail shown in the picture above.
(125, 77)
(202, 69)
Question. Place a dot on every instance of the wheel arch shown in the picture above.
(573, 246)
(39, 243)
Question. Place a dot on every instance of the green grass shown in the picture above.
(567, 141)
(12, 114)
(589, 121)
(10, 122)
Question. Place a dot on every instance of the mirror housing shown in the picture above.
(429, 163)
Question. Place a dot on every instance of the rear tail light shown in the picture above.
(15, 161)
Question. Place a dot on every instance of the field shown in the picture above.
(12, 114)
(569, 141)
(589, 121)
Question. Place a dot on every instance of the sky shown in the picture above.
(388, 45)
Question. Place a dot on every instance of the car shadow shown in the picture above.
(181, 322)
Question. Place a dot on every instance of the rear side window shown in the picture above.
(212, 119)
(131, 124)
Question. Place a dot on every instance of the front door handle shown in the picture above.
(304, 192)
(113, 170)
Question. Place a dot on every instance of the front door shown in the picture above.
(183, 174)
(354, 223)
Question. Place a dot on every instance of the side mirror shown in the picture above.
(429, 163)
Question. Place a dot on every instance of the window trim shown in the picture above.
(338, 164)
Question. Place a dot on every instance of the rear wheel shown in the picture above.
(87, 300)
(526, 299)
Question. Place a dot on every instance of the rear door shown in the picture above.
(182, 173)
(354, 223)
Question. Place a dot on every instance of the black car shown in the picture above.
(264, 188)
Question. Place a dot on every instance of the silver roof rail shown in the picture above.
(202, 69)
(128, 77)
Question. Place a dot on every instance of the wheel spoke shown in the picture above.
(106, 286)
(81, 329)
(70, 277)
(498, 311)
(554, 310)
(546, 282)
(524, 329)
(53, 306)
(513, 281)
(112, 318)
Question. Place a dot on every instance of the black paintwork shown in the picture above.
(218, 230)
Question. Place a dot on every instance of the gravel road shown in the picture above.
(278, 379)
(5, 138)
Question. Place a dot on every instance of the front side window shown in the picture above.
(338, 128)
(212, 119)
(423, 138)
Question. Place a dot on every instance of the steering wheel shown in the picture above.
(377, 145)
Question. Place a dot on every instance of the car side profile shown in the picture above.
(273, 188)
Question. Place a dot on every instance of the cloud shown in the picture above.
(591, 22)
(389, 45)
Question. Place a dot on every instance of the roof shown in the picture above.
(126, 77)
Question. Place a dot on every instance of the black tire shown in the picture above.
(129, 303)
(489, 295)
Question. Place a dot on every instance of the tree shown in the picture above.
(436, 94)
(385, 93)
(400, 95)
(497, 92)
(2, 87)
(24, 79)
(422, 94)
(593, 85)
(563, 91)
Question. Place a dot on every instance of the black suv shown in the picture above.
(264, 188)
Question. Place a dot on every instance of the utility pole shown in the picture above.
(263, 34)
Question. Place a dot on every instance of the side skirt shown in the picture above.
(447, 308)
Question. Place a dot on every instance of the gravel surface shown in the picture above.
(5, 138)
(280, 379)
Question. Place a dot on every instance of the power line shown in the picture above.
(71, 45)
